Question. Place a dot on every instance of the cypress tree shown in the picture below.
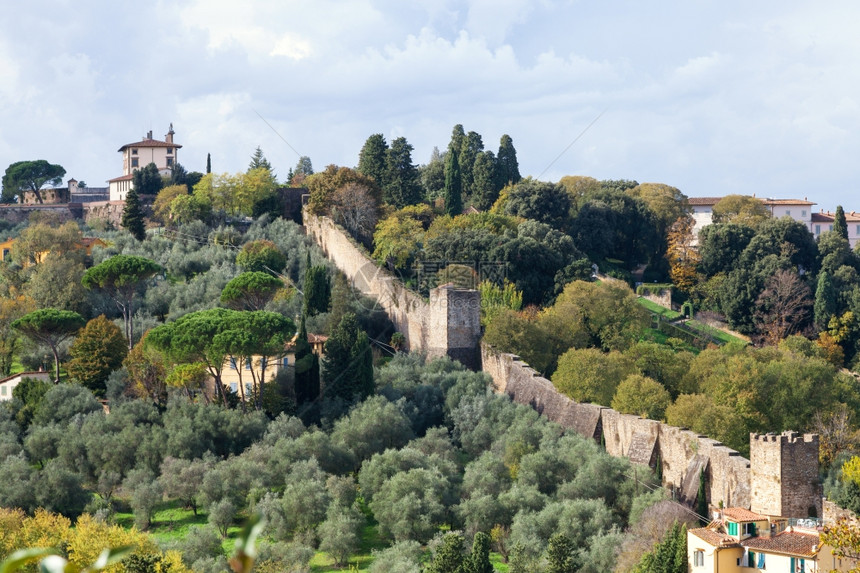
(479, 560)
(307, 368)
(348, 362)
(453, 185)
(485, 178)
(317, 289)
(825, 300)
(469, 150)
(840, 225)
(507, 168)
(208, 163)
(449, 557)
(701, 499)
(132, 216)
(560, 555)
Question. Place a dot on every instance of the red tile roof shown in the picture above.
(740, 515)
(827, 217)
(787, 202)
(712, 537)
(149, 143)
(703, 201)
(122, 178)
(787, 542)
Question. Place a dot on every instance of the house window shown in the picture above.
(5, 254)
(858, 230)
(169, 151)
(134, 162)
(803, 213)
(733, 528)
(829, 227)
(760, 563)
(698, 558)
(788, 212)
(248, 364)
(170, 162)
(286, 362)
(798, 565)
(232, 363)
(817, 230)
(749, 528)
(2, 390)
(234, 387)
(134, 151)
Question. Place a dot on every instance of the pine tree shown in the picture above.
(371, 159)
(208, 163)
(307, 368)
(317, 289)
(132, 216)
(258, 161)
(840, 226)
(825, 300)
(401, 186)
(508, 170)
(453, 189)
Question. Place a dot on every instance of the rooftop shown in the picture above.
(713, 537)
(741, 515)
(787, 542)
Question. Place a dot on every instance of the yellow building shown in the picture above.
(241, 374)
(740, 541)
(86, 243)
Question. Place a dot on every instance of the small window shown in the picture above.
(858, 230)
(749, 528)
(134, 162)
(788, 212)
(169, 151)
(698, 558)
(234, 387)
(2, 390)
(733, 528)
(247, 364)
(134, 151)
(232, 363)
(829, 227)
(286, 362)
(170, 162)
(803, 213)
(817, 229)
(760, 561)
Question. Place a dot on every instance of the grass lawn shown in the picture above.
(655, 308)
(722, 337)
(171, 522)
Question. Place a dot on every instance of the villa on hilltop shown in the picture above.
(140, 154)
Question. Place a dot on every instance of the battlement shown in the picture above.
(787, 437)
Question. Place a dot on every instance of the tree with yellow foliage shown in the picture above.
(683, 257)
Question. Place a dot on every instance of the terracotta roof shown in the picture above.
(122, 178)
(787, 542)
(712, 537)
(740, 515)
(149, 143)
(827, 217)
(787, 202)
(314, 338)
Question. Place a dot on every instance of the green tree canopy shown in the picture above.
(741, 210)
(371, 159)
(401, 182)
(98, 350)
(348, 362)
(261, 256)
(250, 291)
(132, 216)
(147, 181)
(120, 277)
(50, 327)
(30, 176)
(507, 167)
(453, 184)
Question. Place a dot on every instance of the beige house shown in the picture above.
(140, 154)
(240, 374)
(740, 541)
(797, 209)
(9, 384)
(823, 222)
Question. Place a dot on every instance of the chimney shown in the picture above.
(149, 134)
(169, 137)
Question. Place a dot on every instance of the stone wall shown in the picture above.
(682, 454)
(108, 211)
(448, 324)
(784, 476)
(19, 213)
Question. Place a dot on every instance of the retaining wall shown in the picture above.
(682, 454)
(448, 324)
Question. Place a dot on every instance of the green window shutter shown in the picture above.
(733, 528)
(752, 528)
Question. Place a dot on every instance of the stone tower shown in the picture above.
(784, 475)
(455, 325)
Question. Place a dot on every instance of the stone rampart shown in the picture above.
(448, 324)
(680, 453)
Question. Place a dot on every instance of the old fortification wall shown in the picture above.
(448, 324)
(681, 454)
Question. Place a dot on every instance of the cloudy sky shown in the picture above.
(711, 97)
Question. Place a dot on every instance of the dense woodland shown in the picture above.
(358, 444)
